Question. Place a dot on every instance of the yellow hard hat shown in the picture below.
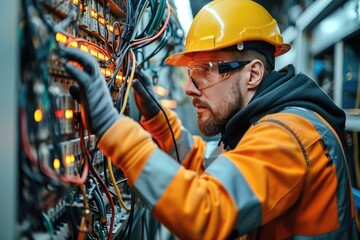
(224, 23)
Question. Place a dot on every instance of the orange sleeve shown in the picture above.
(192, 157)
(159, 128)
(128, 146)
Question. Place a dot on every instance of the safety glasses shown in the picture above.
(206, 73)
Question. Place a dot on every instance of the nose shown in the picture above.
(190, 89)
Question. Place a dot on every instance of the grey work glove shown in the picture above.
(97, 108)
(147, 105)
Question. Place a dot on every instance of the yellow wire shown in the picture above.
(111, 173)
(115, 186)
(129, 82)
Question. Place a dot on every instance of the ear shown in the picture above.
(256, 74)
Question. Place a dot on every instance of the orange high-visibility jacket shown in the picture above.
(286, 179)
(283, 180)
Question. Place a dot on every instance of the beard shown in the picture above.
(222, 113)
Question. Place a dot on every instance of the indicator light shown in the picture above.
(67, 160)
(58, 113)
(93, 52)
(60, 37)
(56, 163)
(38, 115)
(69, 114)
(93, 14)
(73, 44)
(84, 48)
(101, 56)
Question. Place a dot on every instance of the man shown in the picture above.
(282, 173)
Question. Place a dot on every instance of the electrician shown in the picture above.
(282, 173)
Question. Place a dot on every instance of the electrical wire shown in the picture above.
(129, 82)
(159, 33)
(167, 120)
(83, 228)
(161, 45)
(131, 213)
(115, 186)
(99, 204)
(129, 222)
(79, 181)
(48, 225)
(107, 193)
(158, 16)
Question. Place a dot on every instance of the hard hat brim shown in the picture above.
(182, 59)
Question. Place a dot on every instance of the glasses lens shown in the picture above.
(205, 74)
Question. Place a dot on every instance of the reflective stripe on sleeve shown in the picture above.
(184, 145)
(249, 207)
(155, 177)
(212, 151)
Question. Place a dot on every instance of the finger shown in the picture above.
(75, 92)
(79, 75)
(86, 60)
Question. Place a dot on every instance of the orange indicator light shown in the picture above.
(93, 52)
(67, 160)
(93, 13)
(73, 44)
(84, 48)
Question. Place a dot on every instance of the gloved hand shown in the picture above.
(97, 108)
(145, 103)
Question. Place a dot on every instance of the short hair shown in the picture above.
(251, 54)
